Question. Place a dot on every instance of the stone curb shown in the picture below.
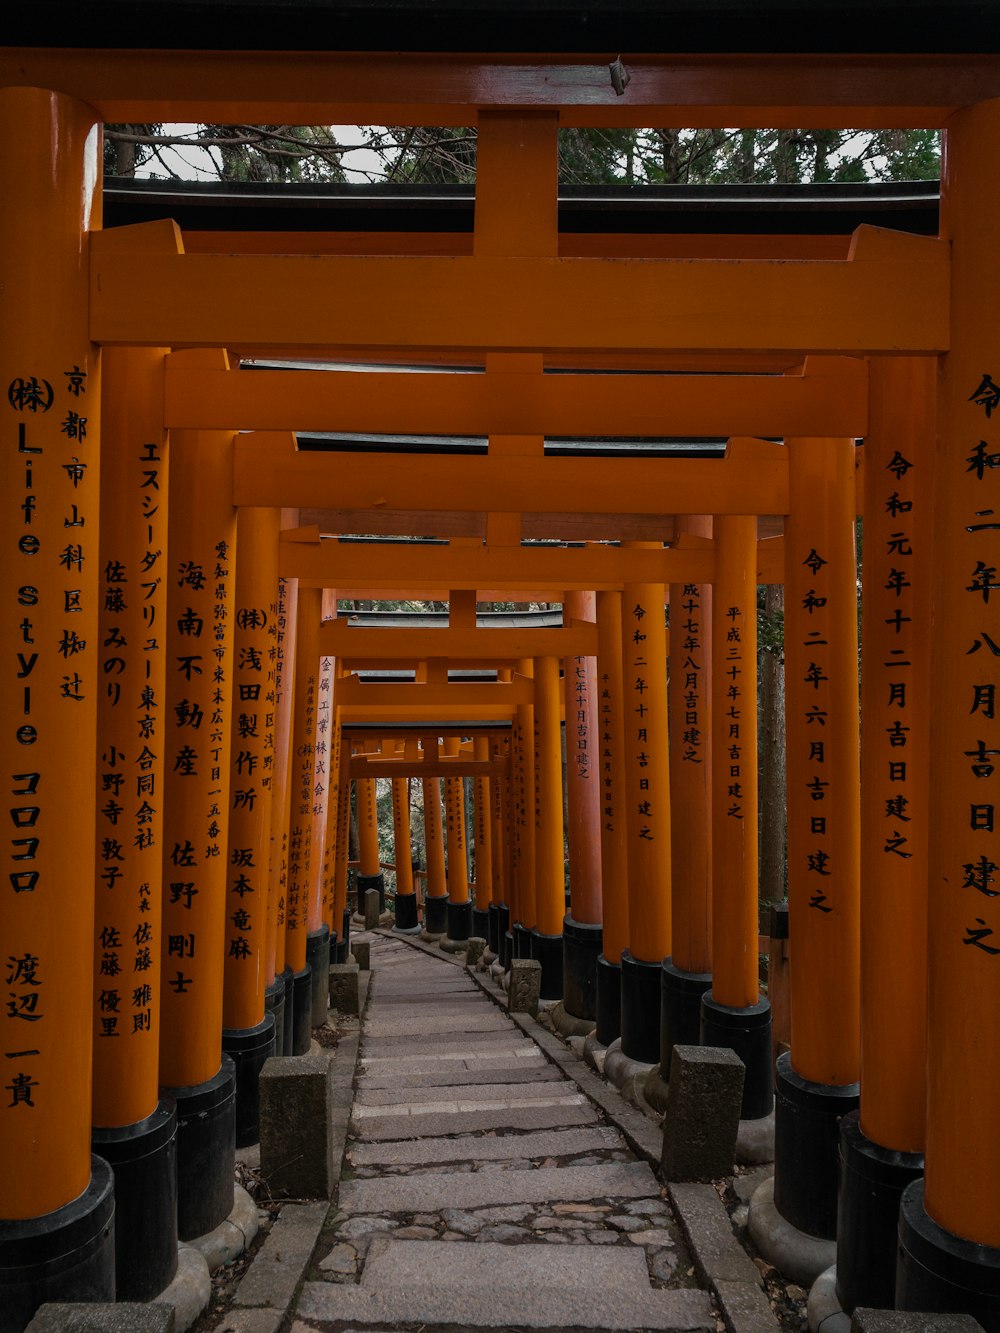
(721, 1261)
(250, 1313)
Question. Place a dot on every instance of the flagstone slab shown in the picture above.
(428, 1194)
(523, 1115)
(487, 1147)
(494, 1285)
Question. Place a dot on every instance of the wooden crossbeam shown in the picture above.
(349, 642)
(752, 479)
(378, 766)
(834, 402)
(352, 88)
(369, 564)
(892, 296)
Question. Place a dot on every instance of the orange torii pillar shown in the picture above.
(483, 844)
(134, 1128)
(647, 815)
(817, 1081)
(319, 910)
(300, 781)
(198, 714)
(279, 991)
(881, 1148)
(582, 937)
(550, 862)
(523, 911)
(614, 843)
(247, 1028)
(436, 897)
(459, 910)
(687, 973)
(56, 1200)
(370, 868)
(733, 1013)
(406, 898)
(949, 1231)
(499, 853)
(339, 830)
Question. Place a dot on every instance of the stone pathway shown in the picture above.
(481, 1188)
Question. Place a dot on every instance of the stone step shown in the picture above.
(455, 1074)
(474, 1053)
(422, 1023)
(476, 1098)
(522, 1115)
(493, 1285)
(552, 1184)
(486, 1147)
(404, 1044)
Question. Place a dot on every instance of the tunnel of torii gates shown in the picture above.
(183, 715)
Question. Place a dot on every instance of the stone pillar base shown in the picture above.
(65, 1255)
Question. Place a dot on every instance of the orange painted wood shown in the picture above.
(614, 841)
(301, 777)
(49, 146)
(251, 767)
(735, 971)
(569, 405)
(288, 602)
(374, 567)
(324, 88)
(583, 776)
(895, 301)
(647, 770)
(821, 709)
(199, 708)
(270, 470)
(129, 809)
(550, 874)
(895, 724)
(691, 757)
(962, 1177)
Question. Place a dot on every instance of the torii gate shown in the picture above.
(516, 300)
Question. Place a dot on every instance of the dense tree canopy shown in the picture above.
(429, 155)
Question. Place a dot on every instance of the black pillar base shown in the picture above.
(206, 1152)
(318, 961)
(274, 1004)
(301, 1011)
(581, 949)
(366, 882)
(436, 914)
(747, 1031)
(344, 941)
(548, 950)
(608, 1001)
(481, 924)
(406, 912)
(65, 1255)
(493, 928)
(940, 1273)
(522, 940)
(248, 1048)
(503, 928)
(640, 1016)
(680, 1009)
(459, 920)
(143, 1157)
(506, 949)
(287, 979)
(806, 1148)
(872, 1180)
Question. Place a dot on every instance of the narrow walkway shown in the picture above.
(480, 1187)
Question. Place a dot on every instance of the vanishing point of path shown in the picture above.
(480, 1187)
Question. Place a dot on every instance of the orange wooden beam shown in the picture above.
(269, 470)
(345, 642)
(891, 296)
(323, 88)
(833, 402)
